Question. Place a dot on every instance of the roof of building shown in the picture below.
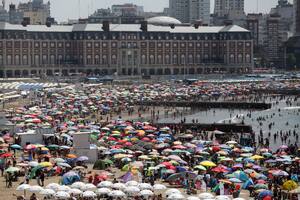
(163, 20)
(121, 28)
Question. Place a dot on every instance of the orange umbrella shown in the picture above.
(71, 156)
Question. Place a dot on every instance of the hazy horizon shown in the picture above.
(62, 10)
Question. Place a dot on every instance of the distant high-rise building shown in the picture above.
(127, 10)
(37, 11)
(189, 11)
(229, 7)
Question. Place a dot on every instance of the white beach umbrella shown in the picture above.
(132, 183)
(159, 187)
(62, 195)
(206, 195)
(193, 198)
(132, 190)
(75, 191)
(106, 184)
(119, 186)
(63, 188)
(23, 187)
(102, 191)
(88, 186)
(47, 192)
(239, 199)
(222, 197)
(33, 164)
(145, 186)
(146, 193)
(78, 185)
(89, 194)
(35, 189)
(176, 196)
(172, 191)
(53, 186)
(117, 193)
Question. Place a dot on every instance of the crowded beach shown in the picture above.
(95, 141)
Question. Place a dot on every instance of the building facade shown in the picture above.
(229, 7)
(123, 49)
(37, 11)
(189, 11)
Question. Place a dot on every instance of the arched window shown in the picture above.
(37, 60)
(159, 59)
(52, 59)
(144, 60)
(191, 59)
(198, 58)
(97, 59)
(89, 59)
(17, 59)
(175, 59)
(248, 58)
(45, 59)
(104, 60)
(60, 59)
(114, 59)
(167, 59)
(151, 59)
(240, 58)
(182, 59)
(231, 58)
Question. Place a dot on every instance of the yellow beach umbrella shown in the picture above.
(208, 163)
(256, 157)
(45, 164)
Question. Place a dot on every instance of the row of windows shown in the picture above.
(125, 36)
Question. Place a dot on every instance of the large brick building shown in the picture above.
(123, 49)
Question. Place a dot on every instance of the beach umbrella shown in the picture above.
(132, 190)
(172, 191)
(63, 188)
(146, 193)
(235, 180)
(207, 163)
(176, 196)
(222, 197)
(45, 164)
(159, 187)
(257, 157)
(220, 169)
(206, 196)
(15, 146)
(53, 186)
(88, 186)
(117, 193)
(238, 199)
(119, 186)
(53, 146)
(23, 187)
(132, 183)
(290, 185)
(35, 189)
(6, 155)
(231, 142)
(102, 191)
(83, 158)
(280, 173)
(59, 160)
(62, 164)
(78, 185)
(89, 194)
(47, 192)
(265, 193)
(193, 198)
(75, 191)
(105, 184)
(33, 164)
(12, 170)
(62, 195)
(72, 156)
(260, 186)
(145, 186)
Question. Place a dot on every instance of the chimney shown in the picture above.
(26, 21)
(172, 26)
(228, 22)
(49, 21)
(197, 24)
(144, 26)
(105, 26)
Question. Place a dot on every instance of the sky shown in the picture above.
(62, 10)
